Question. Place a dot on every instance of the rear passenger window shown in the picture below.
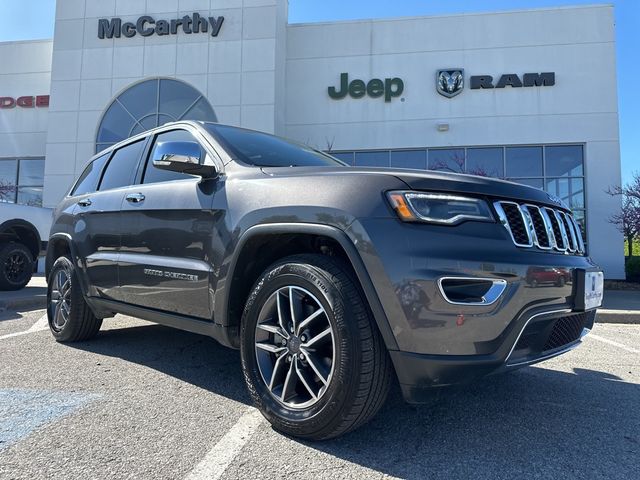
(153, 174)
(121, 169)
(88, 181)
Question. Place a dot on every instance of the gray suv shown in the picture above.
(333, 281)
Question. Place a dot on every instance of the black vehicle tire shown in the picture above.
(534, 283)
(16, 266)
(360, 373)
(70, 318)
(561, 282)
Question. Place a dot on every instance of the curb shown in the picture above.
(618, 316)
(36, 302)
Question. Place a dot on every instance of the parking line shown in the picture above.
(218, 459)
(40, 325)
(611, 342)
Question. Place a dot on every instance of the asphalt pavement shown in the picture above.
(145, 401)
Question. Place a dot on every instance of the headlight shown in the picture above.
(438, 208)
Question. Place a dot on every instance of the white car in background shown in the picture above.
(24, 231)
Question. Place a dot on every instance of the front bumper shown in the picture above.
(440, 343)
(541, 337)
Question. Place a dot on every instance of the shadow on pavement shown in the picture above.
(534, 422)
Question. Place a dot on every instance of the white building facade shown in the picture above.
(528, 95)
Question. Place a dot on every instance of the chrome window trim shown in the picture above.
(496, 290)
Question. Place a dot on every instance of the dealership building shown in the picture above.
(529, 95)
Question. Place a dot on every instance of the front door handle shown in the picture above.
(85, 202)
(135, 197)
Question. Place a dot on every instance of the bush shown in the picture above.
(632, 267)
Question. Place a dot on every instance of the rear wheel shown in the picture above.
(312, 356)
(16, 266)
(70, 318)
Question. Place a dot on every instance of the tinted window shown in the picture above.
(563, 160)
(448, 160)
(263, 150)
(372, 159)
(346, 157)
(153, 174)
(524, 161)
(486, 162)
(122, 167)
(88, 181)
(409, 159)
(149, 104)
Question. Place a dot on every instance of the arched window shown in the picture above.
(149, 104)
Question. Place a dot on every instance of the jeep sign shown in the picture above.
(146, 26)
(375, 88)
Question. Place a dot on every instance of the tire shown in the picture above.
(561, 282)
(354, 385)
(16, 266)
(70, 318)
(534, 283)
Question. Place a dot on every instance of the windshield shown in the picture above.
(263, 150)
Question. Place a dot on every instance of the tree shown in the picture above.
(7, 191)
(627, 221)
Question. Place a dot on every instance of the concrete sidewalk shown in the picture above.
(620, 306)
(31, 297)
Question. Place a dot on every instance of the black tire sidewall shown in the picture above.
(79, 316)
(347, 349)
(7, 250)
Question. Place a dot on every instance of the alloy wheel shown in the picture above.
(15, 267)
(295, 347)
(61, 298)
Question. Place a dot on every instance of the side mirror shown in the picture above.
(182, 157)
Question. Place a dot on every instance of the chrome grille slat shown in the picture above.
(545, 228)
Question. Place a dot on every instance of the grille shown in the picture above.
(566, 330)
(516, 223)
(541, 227)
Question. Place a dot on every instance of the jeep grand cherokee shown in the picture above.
(333, 281)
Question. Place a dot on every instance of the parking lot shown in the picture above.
(145, 401)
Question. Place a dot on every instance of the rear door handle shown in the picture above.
(85, 202)
(135, 197)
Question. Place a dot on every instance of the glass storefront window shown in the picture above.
(563, 161)
(486, 162)
(372, 159)
(532, 182)
(149, 104)
(346, 157)
(409, 159)
(21, 181)
(448, 160)
(523, 162)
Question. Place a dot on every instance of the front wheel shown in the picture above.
(312, 356)
(70, 318)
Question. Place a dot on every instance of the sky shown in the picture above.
(41, 15)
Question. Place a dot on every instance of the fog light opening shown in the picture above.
(471, 291)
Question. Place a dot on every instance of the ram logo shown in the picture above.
(450, 83)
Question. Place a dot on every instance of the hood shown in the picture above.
(435, 182)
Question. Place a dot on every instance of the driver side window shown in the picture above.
(155, 175)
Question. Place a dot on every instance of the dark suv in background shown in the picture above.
(331, 280)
